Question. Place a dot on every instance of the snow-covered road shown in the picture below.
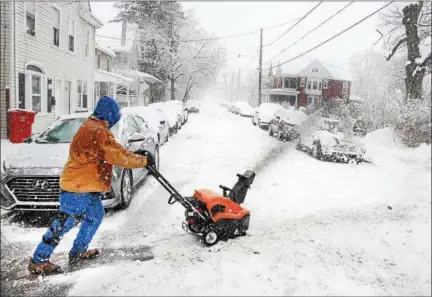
(317, 228)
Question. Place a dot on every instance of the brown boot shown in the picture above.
(45, 267)
(87, 255)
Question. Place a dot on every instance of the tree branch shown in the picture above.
(427, 60)
(402, 41)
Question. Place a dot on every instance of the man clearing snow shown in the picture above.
(85, 178)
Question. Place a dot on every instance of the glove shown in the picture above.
(148, 155)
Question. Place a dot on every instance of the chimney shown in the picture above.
(123, 34)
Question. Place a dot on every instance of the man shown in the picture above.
(85, 178)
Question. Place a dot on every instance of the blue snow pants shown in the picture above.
(73, 207)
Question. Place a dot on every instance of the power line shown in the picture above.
(212, 38)
(314, 29)
(333, 37)
(293, 26)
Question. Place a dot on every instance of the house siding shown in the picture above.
(57, 63)
(5, 65)
(334, 90)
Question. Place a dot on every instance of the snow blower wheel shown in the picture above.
(210, 238)
(211, 215)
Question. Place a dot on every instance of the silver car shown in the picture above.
(30, 177)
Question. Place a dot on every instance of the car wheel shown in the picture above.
(167, 136)
(280, 136)
(259, 123)
(316, 151)
(179, 123)
(157, 157)
(126, 185)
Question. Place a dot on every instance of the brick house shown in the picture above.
(311, 85)
(47, 64)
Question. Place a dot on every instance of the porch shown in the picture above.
(108, 83)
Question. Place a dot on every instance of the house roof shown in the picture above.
(105, 50)
(106, 76)
(325, 70)
(144, 76)
(114, 42)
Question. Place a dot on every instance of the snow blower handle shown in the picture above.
(175, 195)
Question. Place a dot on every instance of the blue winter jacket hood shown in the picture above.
(107, 109)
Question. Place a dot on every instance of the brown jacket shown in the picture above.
(92, 154)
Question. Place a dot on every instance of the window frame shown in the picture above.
(34, 19)
(345, 86)
(315, 70)
(80, 95)
(71, 21)
(325, 84)
(309, 84)
(59, 26)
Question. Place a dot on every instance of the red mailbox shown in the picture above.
(20, 124)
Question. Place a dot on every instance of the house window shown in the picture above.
(21, 90)
(315, 85)
(309, 83)
(345, 88)
(290, 83)
(87, 42)
(56, 25)
(30, 8)
(82, 95)
(302, 82)
(314, 69)
(325, 84)
(71, 35)
(319, 86)
(50, 95)
(35, 92)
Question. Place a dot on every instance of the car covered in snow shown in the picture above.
(285, 124)
(182, 109)
(192, 106)
(244, 109)
(230, 106)
(30, 178)
(331, 143)
(264, 114)
(173, 114)
(154, 118)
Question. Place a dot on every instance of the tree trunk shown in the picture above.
(414, 75)
(172, 84)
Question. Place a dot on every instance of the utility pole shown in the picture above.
(232, 87)
(238, 85)
(260, 68)
(226, 90)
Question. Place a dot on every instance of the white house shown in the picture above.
(48, 62)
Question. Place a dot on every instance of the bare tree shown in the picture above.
(409, 29)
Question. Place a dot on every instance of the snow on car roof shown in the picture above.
(330, 120)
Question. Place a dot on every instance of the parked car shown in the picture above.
(173, 115)
(285, 124)
(182, 110)
(264, 113)
(244, 109)
(330, 143)
(223, 103)
(230, 106)
(155, 118)
(31, 176)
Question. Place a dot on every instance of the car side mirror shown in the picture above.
(162, 122)
(136, 137)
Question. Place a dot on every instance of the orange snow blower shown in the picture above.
(210, 215)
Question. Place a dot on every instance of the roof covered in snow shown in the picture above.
(105, 50)
(325, 70)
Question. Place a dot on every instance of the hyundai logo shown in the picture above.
(40, 184)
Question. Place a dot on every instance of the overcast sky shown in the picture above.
(228, 18)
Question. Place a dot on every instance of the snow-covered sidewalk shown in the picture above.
(317, 228)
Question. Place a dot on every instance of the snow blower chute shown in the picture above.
(210, 215)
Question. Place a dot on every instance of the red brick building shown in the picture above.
(310, 86)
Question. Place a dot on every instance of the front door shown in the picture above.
(67, 96)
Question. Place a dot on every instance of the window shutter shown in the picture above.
(21, 90)
(50, 97)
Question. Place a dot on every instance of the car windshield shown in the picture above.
(62, 131)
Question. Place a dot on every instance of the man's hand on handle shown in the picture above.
(150, 159)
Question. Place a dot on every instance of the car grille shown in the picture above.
(40, 188)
